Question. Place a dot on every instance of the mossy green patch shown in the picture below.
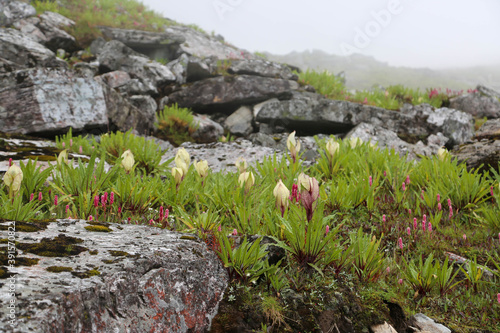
(93, 252)
(34, 226)
(18, 260)
(4, 273)
(59, 269)
(118, 253)
(98, 228)
(87, 274)
(107, 261)
(60, 246)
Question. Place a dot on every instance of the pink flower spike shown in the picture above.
(327, 230)
(55, 200)
(400, 243)
(423, 225)
(90, 217)
(166, 213)
(385, 173)
(449, 202)
(66, 210)
(80, 150)
(438, 198)
(112, 198)
(424, 218)
(388, 269)
(10, 163)
(119, 210)
(383, 218)
(32, 195)
(415, 223)
(235, 232)
(370, 181)
(499, 236)
(451, 212)
(464, 236)
(39, 196)
(409, 211)
(491, 190)
(71, 142)
(408, 231)
(64, 144)
(219, 229)
(439, 206)
(429, 226)
(422, 195)
(407, 179)
(151, 222)
(96, 201)
(400, 281)
(404, 186)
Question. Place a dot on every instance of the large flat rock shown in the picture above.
(131, 279)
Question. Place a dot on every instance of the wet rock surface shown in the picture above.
(130, 279)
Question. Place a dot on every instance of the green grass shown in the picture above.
(89, 14)
(359, 260)
(391, 98)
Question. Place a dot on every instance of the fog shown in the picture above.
(425, 33)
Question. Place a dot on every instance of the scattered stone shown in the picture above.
(261, 67)
(155, 45)
(487, 91)
(117, 56)
(134, 276)
(228, 93)
(383, 328)
(239, 123)
(23, 51)
(477, 105)
(425, 323)
(207, 130)
(481, 155)
(489, 130)
(12, 11)
(52, 25)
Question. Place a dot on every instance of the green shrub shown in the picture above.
(175, 124)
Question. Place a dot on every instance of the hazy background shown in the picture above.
(446, 34)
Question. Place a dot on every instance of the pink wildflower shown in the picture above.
(55, 200)
(400, 281)
(235, 232)
(39, 196)
(90, 217)
(404, 186)
(415, 223)
(383, 218)
(370, 181)
(464, 236)
(327, 230)
(67, 209)
(429, 226)
(10, 162)
(32, 195)
(80, 150)
(96, 201)
(408, 231)
(219, 229)
(423, 225)
(112, 198)
(438, 198)
(425, 218)
(400, 243)
(449, 202)
(439, 206)
(409, 211)
(388, 269)
(407, 179)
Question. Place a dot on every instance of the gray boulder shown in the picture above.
(477, 105)
(117, 56)
(201, 45)
(482, 155)
(19, 49)
(487, 91)
(239, 123)
(50, 101)
(228, 93)
(130, 279)
(489, 130)
(52, 25)
(207, 130)
(12, 11)
(261, 67)
(426, 324)
(155, 45)
(148, 107)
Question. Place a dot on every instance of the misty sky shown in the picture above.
(416, 33)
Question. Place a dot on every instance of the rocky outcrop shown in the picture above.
(52, 101)
(129, 278)
(310, 113)
(487, 91)
(227, 93)
(117, 56)
(52, 25)
(477, 105)
(207, 130)
(261, 67)
(239, 123)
